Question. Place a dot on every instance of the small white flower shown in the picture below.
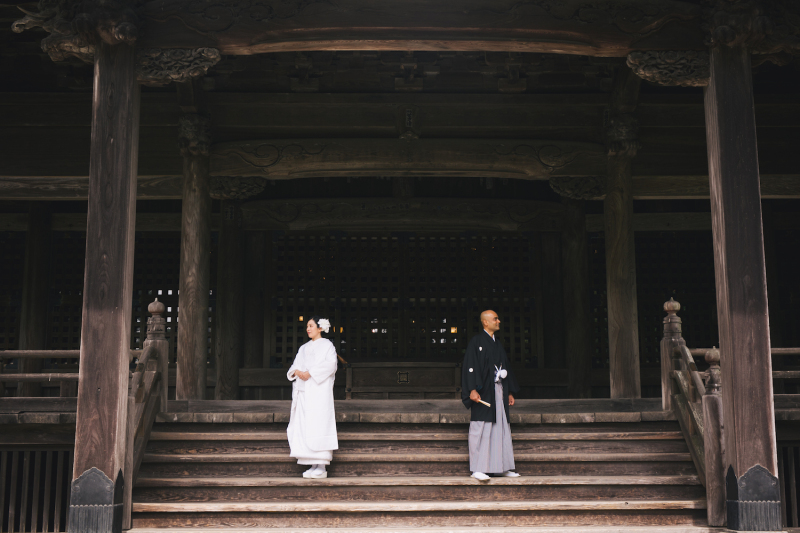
(480, 348)
(324, 325)
(470, 370)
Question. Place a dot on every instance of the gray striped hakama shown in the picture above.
(490, 448)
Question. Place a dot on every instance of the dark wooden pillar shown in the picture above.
(753, 496)
(194, 139)
(576, 294)
(623, 321)
(35, 287)
(230, 301)
(254, 302)
(96, 500)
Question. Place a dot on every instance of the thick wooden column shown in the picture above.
(230, 301)
(194, 139)
(623, 321)
(577, 303)
(35, 287)
(753, 496)
(254, 303)
(96, 500)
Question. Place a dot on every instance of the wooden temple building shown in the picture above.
(618, 179)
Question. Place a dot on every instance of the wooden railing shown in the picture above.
(147, 396)
(696, 399)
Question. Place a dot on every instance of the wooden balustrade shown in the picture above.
(696, 399)
(147, 396)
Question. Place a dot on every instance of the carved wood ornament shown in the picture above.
(525, 159)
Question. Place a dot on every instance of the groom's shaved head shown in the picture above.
(490, 321)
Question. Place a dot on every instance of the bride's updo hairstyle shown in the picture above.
(322, 323)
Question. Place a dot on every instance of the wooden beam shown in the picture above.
(195, 261)
(107, 293)
(576, 296)
(230, 302)
(35, 293)
(496, 158)
(390, 214)
(742, 310)
(500, 25)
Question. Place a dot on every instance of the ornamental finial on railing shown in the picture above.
(156, 324)
(672, 322)
(714, 381)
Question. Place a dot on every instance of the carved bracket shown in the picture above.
(622, 133)
(771, 28)
(159, 66)
(686, 69)
(194, 134)
(579, 188)
(236, 187)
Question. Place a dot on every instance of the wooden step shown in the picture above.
(413, 458)
(390, 436)
(401, 529)
(450, 481)
(404, 507)
(414, 514)
(264, 489)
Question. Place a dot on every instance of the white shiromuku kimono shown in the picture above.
(312, 425)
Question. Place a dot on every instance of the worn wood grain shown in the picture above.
(230, 301)
(742, 310)
(623, 331)
(108, 281)
(194, 279)
(254, 300)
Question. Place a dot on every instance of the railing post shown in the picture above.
(672, 337)
(156, 334)
(712, 437)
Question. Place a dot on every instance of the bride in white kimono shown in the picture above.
(312, 425)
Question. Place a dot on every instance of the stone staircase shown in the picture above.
(388, 477)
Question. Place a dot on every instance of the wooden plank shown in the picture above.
(61, 458)
(13, 492)
(230, 301)
(409, 457)
(422, 436)
(195, 270)
(742, 309)
(713, 458)
(442, 506)
(35, 293)
(404, 481)
(108, 281)
(35, 378)
(4, 458)
(693, 441)
(48, 489)
(23, 503)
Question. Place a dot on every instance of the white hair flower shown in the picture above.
(324, 325)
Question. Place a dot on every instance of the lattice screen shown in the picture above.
(404, 296)
(13, 246)
(156, 273)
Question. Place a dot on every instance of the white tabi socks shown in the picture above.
(480, 476)
(316, 472)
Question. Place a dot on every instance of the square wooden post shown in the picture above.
(97, 479)
(753, 495)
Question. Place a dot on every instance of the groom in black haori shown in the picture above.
(487, 389)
